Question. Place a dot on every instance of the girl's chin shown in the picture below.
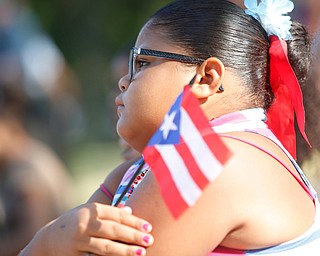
(119, 128)
(133, 135)
(122, 130)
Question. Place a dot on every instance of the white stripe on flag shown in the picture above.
(202, 154)
(186, 186)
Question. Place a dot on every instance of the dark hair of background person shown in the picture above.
(311, 99)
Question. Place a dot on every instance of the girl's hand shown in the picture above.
(92, 228)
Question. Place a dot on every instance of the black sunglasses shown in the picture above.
(159, 54)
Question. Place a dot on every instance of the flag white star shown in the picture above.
(168, 125)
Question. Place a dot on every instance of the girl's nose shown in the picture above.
(124, 83)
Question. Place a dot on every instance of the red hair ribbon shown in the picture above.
(288, 97)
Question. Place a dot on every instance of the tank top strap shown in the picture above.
(300, 179)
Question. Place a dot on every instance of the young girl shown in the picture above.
(261, 203)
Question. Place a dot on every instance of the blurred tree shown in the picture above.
(89, 34)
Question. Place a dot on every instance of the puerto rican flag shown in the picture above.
(185, 154)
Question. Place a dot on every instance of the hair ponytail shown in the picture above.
(299, 52)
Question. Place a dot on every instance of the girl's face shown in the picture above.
(144, 101)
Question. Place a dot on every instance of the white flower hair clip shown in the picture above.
(272, 16)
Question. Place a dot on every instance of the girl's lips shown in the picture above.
(119, 105)
(119, 110)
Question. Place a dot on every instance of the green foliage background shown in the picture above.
(89, 33)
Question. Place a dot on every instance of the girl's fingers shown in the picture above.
(121, 215)
(103, 247)
(117, 231)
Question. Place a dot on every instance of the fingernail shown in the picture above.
(127, 209)
(139, 252)
(146, 239)
(146, 227)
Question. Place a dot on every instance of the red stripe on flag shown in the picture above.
(168, 189)
(218, 148)
(193, 168)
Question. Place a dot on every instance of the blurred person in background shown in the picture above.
(52, 96)
(38, 105)
(307, 12)
(239, 2)
(34, 183)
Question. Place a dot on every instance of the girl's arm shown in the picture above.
(94, 227)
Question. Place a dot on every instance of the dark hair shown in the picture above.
(219, 28)
(299, 52)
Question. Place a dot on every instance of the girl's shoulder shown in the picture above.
(267, 189)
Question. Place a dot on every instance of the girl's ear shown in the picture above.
(208, 79)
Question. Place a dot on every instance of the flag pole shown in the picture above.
(130, 182)
(192, 80)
